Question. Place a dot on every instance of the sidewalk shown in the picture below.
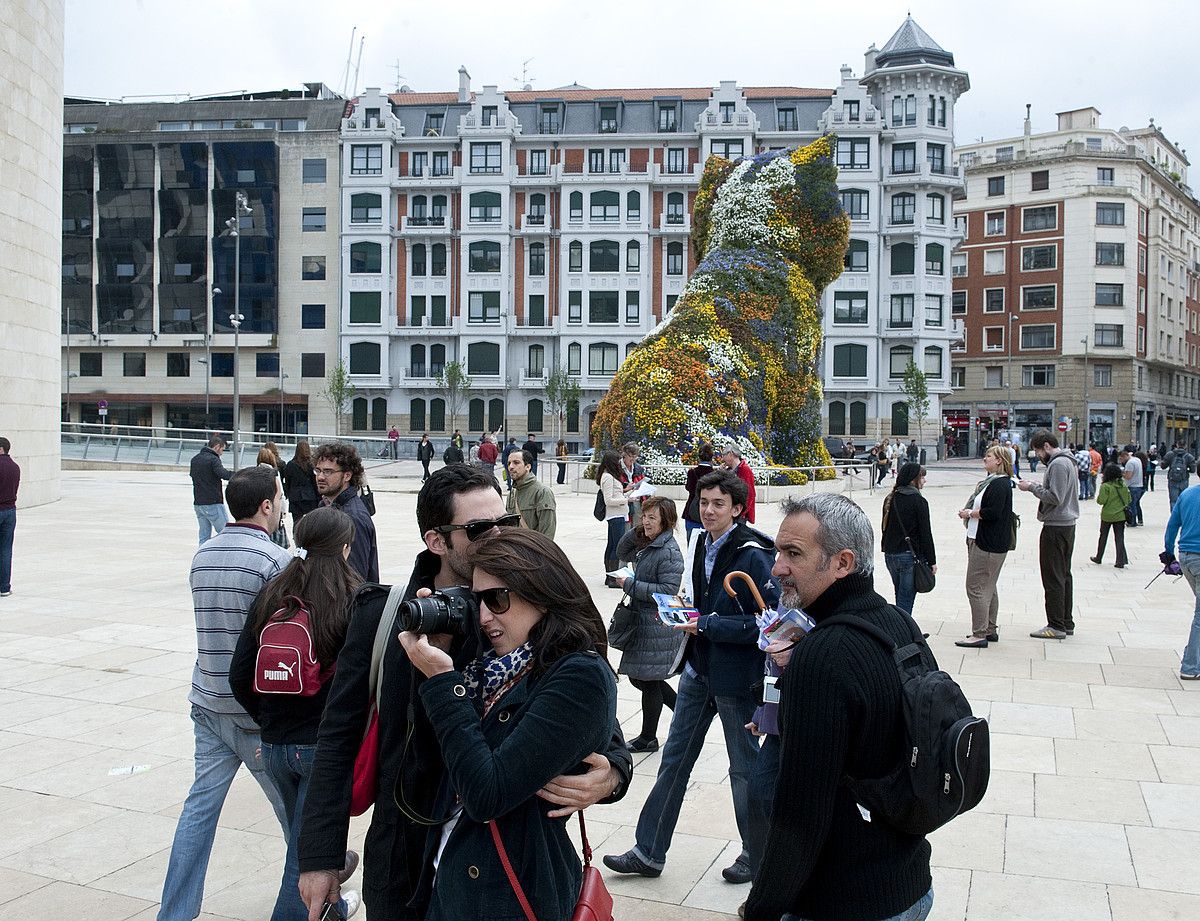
(1093, 812)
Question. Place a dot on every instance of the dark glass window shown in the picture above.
(485, 206)
(1039, 297)
(1110, 254)
(366, 208)
(603, 306)
(576, 206)
(1110, 214)
(785, 119)
(91, 364)
(853, 153)
(855, 203)
(605, 206)
(418, 260)
(78, 173)
(125, 166)
(222, 364)
(1041, 218)
(365, 259)
(314, 170)
(666, 118)
(1037, 258)
(633, 256)
(134, 364)
(575, 256)
(312, 316)
(904, 158)
(366, 159)
(313, 219)
(574, 306)
(602, 358)
(246, 164)
(483, 358)
(857, 256)
(485, 157)
(903, 260)
(676, 162)
(312, 364)
(674, 258)
(849, 308)
(437, 259)
(364, 357)
(548, 122)
(312, 268)
(484, 256)
(1039, 180)
(849, 360)
(537, 162)
(604, 256)
(483, 307)
(537, 259)
(365, 307)
(935, 155)
(536, 314)
(995, 185)
(1109, 295)
(266, 364)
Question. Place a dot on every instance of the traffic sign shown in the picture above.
(1063, 426)
(103, 404)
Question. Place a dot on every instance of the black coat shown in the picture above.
(300, 485)
(207, 472)
(691, 509)
(364, 552)
(995, 516)
(908, 513)
(541, 728)
(425, 452)
(654, 651)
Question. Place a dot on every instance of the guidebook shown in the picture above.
(783, 626)
(673, 610)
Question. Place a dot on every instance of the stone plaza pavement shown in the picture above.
(1093, 811)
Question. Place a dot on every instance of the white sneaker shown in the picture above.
(353, 900)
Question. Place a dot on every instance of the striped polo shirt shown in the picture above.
(228, 572)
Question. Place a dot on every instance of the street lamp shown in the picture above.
(241, 208)
(282, 377)
(207, 360)
(1012, 317)
(1087, 413)
(70, 374)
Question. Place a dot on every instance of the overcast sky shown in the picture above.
(1129, 60)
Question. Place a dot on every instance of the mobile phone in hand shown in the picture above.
(332, 912)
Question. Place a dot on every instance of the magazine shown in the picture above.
(673, 610)
(783, 627)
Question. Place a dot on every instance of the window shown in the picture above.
(1109, 295)
(416, 415)
(178, 364)
(850, 110)
(855, 204)
(1110, 214)
(483, 307)
(857, 256)
(484, 207)
(595, 161)
(837, 418)
(993, 377)
(434, 123)
(1039, 258)
(1039, 180)
(417, 165)
(1102, 375)
(850, 360)
(537, 162)
(1038, 337)
(222, 364)
(633, 256)
(849, 308)
(605, 207)
(933, 311)
(420, 211)
(904, 110)
(994, 224)
(904, 207)
(417, 318)
(1105, 175)
(935, 156)
(608, 119)
(1110, 254)
(535, 315)
(437, 259)
(575, 256)
(483, 358)
(1037, 375)
(675, 212)
(995, 185)
(958, 265)
(727, 110)
(441, 163)
(313, 170)
(604, 256)
(903, 259)
(359, 414)
(533, 417)
(576, 206)
(993, 338)
(933, 362)
(730, 150)
(958, 376)
(364, 357)
(602, 358)
(901, 316)
(993, 262)
(674, 258)
(602, 306)
(1004, 154)
(366, 208)
(548, 123)
(633, 306)
(366, 258)
(666, 119)
(675, 160)
(312, 364)
(313, 219)
(853, 153)
(785, 119)
(574, 306)
(935, 208)
(935, 259)
(898, 358)
(858, 417)
(633, 206)
(537, 360)
(483, 256)
(312, 316)
(993, 300)
(365, 307)
(418, 260)
(904, 158)
(899, 418)
(366, 159)
(671, 299)
(485, 157)
(537, 259)
(537, 209)
(1041, 218)
(958, 303)
(1039, 297)
(266, 364)
(312, 268)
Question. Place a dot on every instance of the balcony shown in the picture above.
(505, 121)
(660, 174)
(672, 222)
(534, 378)
(361, 128)
(535, 223)
(737, 120)
(428, 226)
(427, 178)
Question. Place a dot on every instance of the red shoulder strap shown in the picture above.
(508, 871)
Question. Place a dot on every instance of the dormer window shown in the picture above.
(434, 123)
(727, 109)
(666, 119)
(850, 110)
(548, 123)
(785, 119)
(608, 119)
(372, 118)
(490, 115)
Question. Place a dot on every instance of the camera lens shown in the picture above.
(447, 611)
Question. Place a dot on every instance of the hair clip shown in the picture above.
(301, 553)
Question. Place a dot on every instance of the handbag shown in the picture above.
(601, 510)
(623, 626)
(594, 904)
(923, 577)
(368, 498)
(366, 763)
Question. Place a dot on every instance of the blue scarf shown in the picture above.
(488, 674)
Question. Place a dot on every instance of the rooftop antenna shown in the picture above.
(346, 69)
(399, 76)
(358, 63)
(526, 77)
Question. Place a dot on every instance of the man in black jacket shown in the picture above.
(425, 455)
(840, 714)
(339, 474)
(207, 472)
(722, 672)
(451, 508)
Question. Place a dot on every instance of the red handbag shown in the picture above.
(366, 769)
(595, 904)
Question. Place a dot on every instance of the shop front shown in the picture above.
(956, 428)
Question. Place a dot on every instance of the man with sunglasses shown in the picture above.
(456, 506)
(339, 473)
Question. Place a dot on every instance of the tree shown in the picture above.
(453, 384)
(916, 392)
(338, 391)
(562, 391)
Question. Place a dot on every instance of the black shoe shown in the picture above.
(1095, 559)
(738, 872)
(639, 745)
(993, 637)
(1071, 632)
(629, 862)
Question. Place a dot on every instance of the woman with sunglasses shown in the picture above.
(539, 700)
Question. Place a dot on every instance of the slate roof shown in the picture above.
(912, 45)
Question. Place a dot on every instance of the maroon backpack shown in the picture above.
(287, 662)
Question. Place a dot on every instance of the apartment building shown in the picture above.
(148, 272)
(1077, 286)
(519, 232)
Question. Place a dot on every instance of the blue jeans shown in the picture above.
(212, 520)
(616, 530)
(900, 565)
(1190, 563)
(1175, 490)
(917, 911)
(695, 708)
(761, 797)
(1135, 496)
(224, 742)
(8, 527)
(290, 766)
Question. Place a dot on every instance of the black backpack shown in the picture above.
(1181, 463)
(949, 763)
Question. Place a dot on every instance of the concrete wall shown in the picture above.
(31, 88)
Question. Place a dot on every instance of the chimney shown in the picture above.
(1028, 128)
(869, 59)
(464, 85)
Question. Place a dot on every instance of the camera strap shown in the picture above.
(409, 811)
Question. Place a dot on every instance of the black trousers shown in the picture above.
(654, 695)
(1054, 555)
(1118, 529)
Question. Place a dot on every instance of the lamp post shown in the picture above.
(1012, 317)
(207, 359)
(282, 377)
(1087, 413)
(68, 413)
(242, 207)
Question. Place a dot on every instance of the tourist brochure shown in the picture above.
(625, 572)
(673, 610)
(782, 626)
(642, 490)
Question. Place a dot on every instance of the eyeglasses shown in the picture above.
(498, 600)
(477, 529)
(328, 471)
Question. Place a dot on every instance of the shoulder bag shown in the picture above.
(923, 577)
(368, 498)
(623, 626)
(601, 509)
(595, 903)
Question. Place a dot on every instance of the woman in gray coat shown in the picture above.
(652, 651)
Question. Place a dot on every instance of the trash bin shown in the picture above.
(922, 457)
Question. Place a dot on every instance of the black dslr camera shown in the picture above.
(452, 610)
